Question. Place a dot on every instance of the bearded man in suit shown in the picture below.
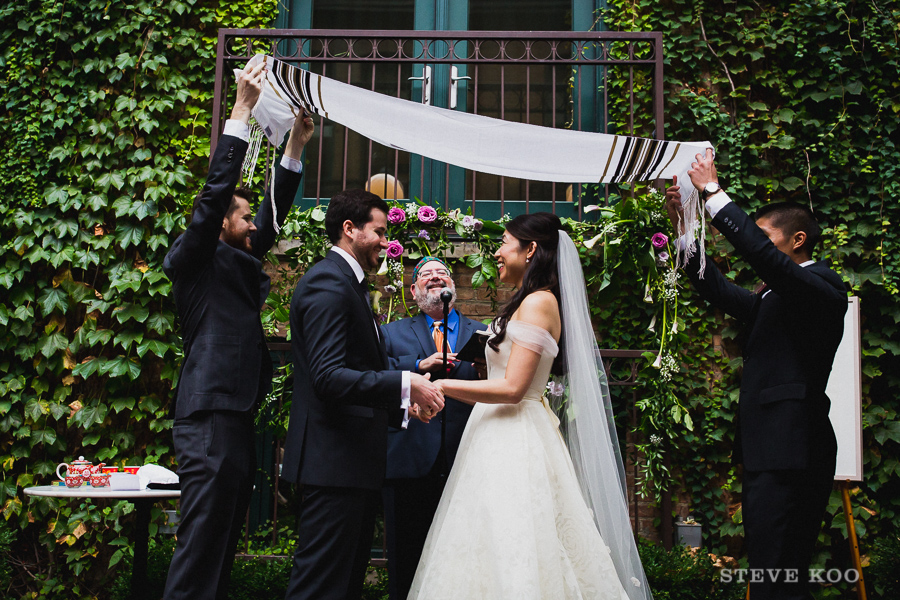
(219, 289)
(344, 397)
(417, 462)
(792, 328)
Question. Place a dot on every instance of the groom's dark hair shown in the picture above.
(351, 205)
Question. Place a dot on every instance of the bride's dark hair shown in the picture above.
(541, 272)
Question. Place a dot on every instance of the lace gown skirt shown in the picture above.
(512, 523)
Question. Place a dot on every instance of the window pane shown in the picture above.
(370, 14)
(520, 15)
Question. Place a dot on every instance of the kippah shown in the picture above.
(427, 259)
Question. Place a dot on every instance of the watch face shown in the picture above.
(712, 187)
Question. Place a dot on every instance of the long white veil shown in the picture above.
(588, 425)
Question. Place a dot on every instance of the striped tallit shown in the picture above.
(477, 142)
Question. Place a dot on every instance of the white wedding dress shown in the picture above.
(512, 523)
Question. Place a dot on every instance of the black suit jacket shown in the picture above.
(219, 291)
(792, 330)
(343, 390)
(412, 452)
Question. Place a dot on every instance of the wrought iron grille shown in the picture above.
(590, 81)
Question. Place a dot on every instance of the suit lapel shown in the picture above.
(423, 334)
(466, 329)
(362, 292)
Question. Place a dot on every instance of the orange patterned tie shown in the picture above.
(438, 336)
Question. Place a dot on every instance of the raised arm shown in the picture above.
(287, 182)
(197, 245)
(713, 286)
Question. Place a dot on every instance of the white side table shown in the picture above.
(142, 500)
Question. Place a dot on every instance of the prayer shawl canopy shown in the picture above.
(475, 142)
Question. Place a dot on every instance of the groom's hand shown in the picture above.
(426, 396)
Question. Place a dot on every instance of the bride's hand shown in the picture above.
(414, 412)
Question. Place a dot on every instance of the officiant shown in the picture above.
(417, 464)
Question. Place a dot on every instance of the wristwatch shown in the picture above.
(711, 188)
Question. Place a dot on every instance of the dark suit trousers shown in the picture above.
(409, 508)
(335, 527)
(216, 455)
(782, 517)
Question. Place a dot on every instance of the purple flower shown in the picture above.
(396, 215)
(423, 234)
(478, 225)
(468, 221)
(659, 240)
(427, 214)
(394, 249)
(663, 256)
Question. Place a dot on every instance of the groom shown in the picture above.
(793, 327)
(344, 397)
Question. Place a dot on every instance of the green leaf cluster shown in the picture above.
(801, 100)
(104, 136)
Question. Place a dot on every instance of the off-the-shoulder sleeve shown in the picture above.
(531, 337)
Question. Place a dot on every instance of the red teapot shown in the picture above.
(79, 468)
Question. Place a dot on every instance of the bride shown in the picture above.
(525, 513)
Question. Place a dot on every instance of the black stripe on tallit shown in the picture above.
(622, 158)
(660, 153)
(650, 156)
(628, 172)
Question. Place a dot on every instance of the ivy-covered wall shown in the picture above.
(104, 138)
(104, 129)
(801, 100)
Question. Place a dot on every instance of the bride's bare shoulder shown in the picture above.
(542, 309)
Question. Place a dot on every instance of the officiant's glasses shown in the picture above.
(434, 273)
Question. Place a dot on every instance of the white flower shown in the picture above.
(658, 362)
(555, 388)
(674, 327)
(655, 439)
(389, 289)
(648, 296)
(468, 221)
(590, 243)
(652, 324)
(591, 208)
(383, 269)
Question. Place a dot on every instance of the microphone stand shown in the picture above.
(446, 296)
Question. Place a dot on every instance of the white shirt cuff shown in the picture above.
(404, 397)
(716, 203)
(238, 129)
(291, 164)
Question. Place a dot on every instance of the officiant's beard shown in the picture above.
(429, 301)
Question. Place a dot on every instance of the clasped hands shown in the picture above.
(426, 398)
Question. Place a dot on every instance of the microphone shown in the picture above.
(446, 296)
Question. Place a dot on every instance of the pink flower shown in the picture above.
(468, 221)
(394, 249)
(659, 240)
(427, 214)
(396, 215)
